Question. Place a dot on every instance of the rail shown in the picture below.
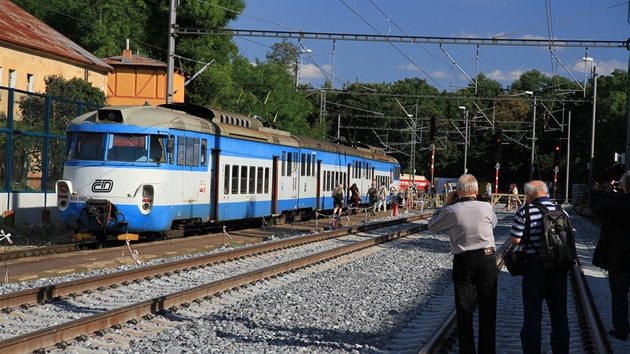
(68, 331)
(592, 335)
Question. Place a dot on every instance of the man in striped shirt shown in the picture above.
(540, 284)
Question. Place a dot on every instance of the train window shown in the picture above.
(289, 163)
(88, 146)
(284, 162)
(156, 152)
(128, 148)
(308, 165)
(313, 165)
(204, 151)
(192, 152)
(266, 180)
(303, 165)
(243, 179)
(170, 149)
(252, 180)
(226, 180)
(235, 179)
(259, 180)
(181, 150)
(326, 181)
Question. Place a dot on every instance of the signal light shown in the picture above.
(556, 152)
(498, 145)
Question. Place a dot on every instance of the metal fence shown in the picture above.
(32, 142)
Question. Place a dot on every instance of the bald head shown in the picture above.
(467, 186)
(535, 189)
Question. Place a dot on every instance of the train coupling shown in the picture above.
(98, 208)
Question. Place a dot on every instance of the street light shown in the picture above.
(298, 69)
(586, 59)
(465, 138)
(531, 167)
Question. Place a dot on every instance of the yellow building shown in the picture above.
(30, 50)
(137, 80)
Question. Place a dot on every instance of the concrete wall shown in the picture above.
(29, 208)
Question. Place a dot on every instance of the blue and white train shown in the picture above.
(156, 171)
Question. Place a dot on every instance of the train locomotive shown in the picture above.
(157, 171)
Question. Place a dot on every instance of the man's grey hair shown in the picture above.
(467, 184)
(624, 182)
(535, 188)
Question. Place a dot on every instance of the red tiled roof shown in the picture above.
(22, 29)
(136, 60)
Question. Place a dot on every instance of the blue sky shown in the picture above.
(377, 62)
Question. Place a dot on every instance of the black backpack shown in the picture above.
(373, 195)
(557, 241)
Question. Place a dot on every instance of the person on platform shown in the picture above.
(470, 224)
(489, 192)
(612, 252)
(382, 197)
(337, 195)
(355, 197)
(540, 284)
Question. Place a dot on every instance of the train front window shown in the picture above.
(128, 148)
(88, 146)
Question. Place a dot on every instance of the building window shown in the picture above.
(30, 82)
(12, 78)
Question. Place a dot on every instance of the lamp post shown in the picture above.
(586, 59)
(531, 167)
(465, 138)
(298, 69)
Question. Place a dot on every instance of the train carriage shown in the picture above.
(157, 171)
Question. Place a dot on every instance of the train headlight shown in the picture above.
(63, 194)
(147, 191)
(147, 197)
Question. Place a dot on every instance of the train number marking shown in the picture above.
(102, 186)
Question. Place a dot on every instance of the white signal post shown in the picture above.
(496, 179)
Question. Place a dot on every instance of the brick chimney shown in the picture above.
(127, 54)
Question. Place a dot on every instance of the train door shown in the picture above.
(274, 186)
(318, 187)
(214, 183)
(186, 161)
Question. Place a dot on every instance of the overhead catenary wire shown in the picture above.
(394, 46)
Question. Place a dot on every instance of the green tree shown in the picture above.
(99, 26)
(41, 124)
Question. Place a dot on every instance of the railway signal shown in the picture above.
(498, 145)
(556, 153)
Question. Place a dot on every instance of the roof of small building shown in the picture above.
(22, 29)
(136, 60)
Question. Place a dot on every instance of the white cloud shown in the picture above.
(310, 72)
(602, 67)
(505, 76)
(438, 74)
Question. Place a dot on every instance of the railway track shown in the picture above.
(213, 231)
(45, 251)
(594, 339)
(70, 329)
